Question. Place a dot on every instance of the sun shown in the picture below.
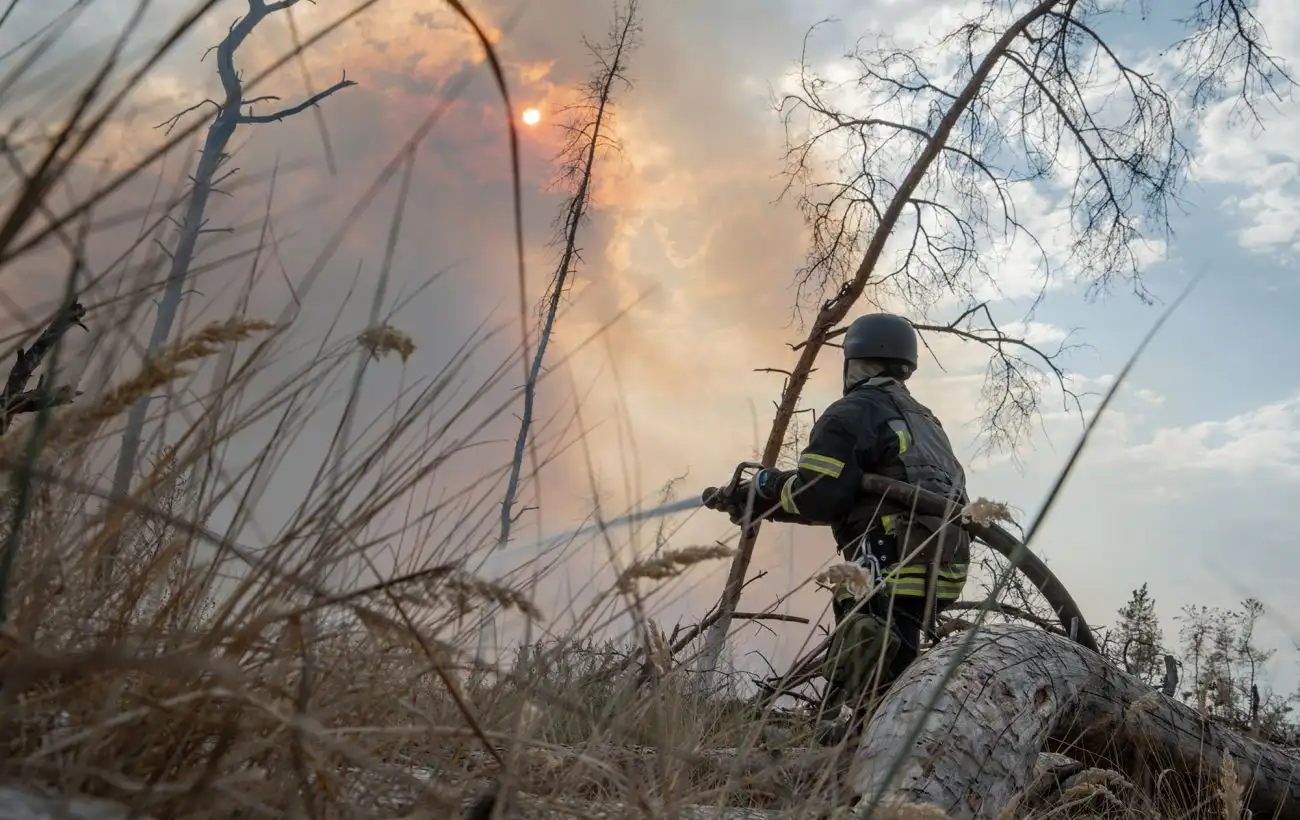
(532, 116)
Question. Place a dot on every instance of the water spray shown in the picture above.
(547, 543)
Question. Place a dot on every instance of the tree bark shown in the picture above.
(1019, 691)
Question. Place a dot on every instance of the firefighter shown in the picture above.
(875, 427)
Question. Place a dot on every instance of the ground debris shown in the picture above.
(19, 802)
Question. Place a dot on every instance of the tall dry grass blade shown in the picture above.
(671, 564)
(166, 366)
(1231, 791)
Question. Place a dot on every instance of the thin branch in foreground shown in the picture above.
(310, 102)
(578, 162)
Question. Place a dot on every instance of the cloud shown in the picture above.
(1261, 442)
(1149, 396)
(1260, 164)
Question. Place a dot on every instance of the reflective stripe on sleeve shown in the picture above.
(822, 465)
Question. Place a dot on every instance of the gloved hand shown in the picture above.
(767, 484)
(766, 488)
(732, 503)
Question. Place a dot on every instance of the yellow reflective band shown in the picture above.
(910, 581)
(787, 496)
(949, 572)
(823, 465)
(907, 588)
(904, 435)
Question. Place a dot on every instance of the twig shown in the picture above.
(1009, 611)
(294, 109)
(578, 164)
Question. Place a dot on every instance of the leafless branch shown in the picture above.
(294, 109)
(205, 180)
(171, 122)
(577, 167)
(1038, 118)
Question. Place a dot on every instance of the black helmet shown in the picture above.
(881, 336)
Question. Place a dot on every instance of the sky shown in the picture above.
(1187, 484)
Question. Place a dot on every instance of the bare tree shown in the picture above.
(587, 135)
(232, 111)
(1227, 669)
(933, 146)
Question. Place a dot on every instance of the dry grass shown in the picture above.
(152, 657)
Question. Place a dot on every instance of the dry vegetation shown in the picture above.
(150, 655)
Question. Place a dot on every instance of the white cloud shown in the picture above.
(1149, 396)
(1036, 333)
(1011, 263)
(1265, 161)
(1082, 382)
(1263, 440)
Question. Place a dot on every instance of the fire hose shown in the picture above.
(908, 497)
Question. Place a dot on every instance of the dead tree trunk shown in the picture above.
(1019, 691)
(230, 115)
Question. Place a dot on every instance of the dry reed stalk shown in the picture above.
(1230, 790)
(167, 366)
(670, 564)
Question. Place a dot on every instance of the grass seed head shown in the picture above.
(984, 512)
(1230, 790)
(671, 563)
(846, 577)
(384, 339)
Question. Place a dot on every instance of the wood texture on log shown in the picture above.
(1018, 691)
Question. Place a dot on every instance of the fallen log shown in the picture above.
(1018, 691)
(908, 497)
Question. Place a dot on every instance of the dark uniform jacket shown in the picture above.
(878, 427)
